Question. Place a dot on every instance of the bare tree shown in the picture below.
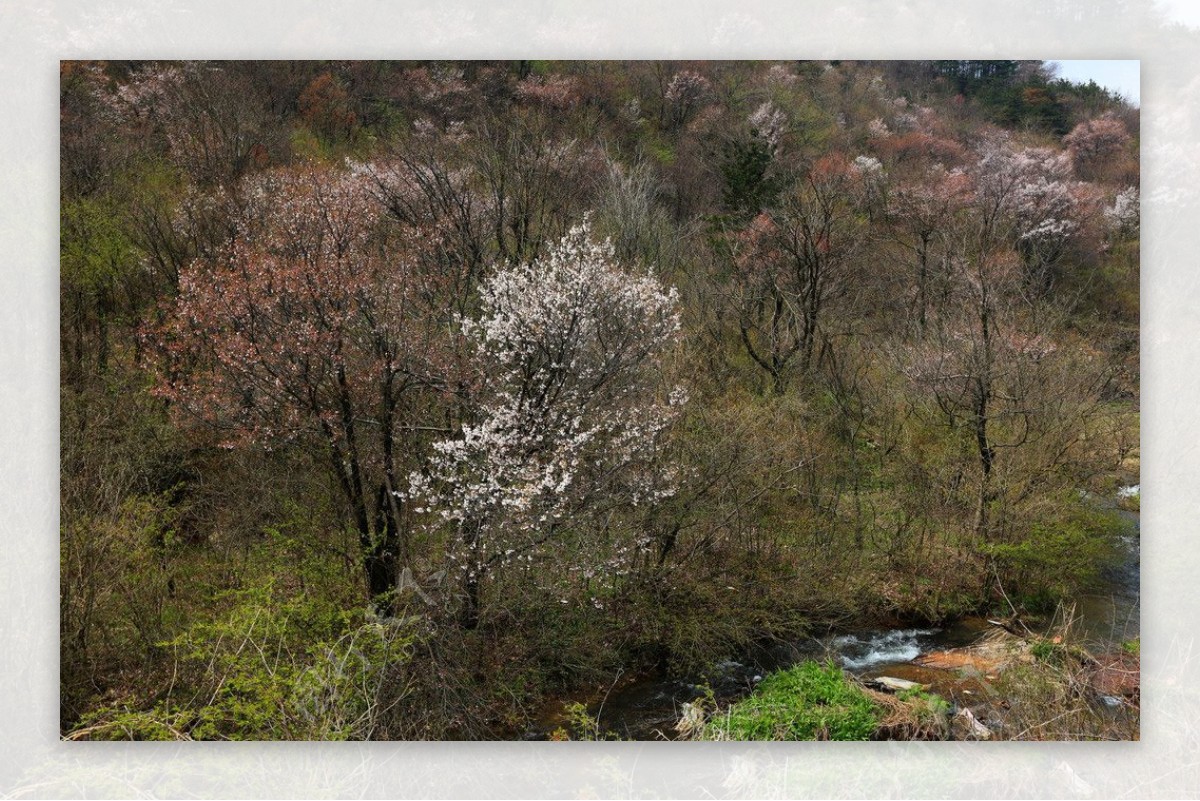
(792, 262)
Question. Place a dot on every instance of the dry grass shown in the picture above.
(909, 717)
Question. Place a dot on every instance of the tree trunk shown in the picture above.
(983, 393)
(380, 568)
(922, 280)
(469, 618)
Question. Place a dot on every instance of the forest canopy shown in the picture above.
(456, 387)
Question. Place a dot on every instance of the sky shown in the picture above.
(1122, 77)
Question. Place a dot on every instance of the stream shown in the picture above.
(647, 708)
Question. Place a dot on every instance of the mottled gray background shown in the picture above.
(35, 34)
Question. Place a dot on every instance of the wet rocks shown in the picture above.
(990, 655)
(966, 726)
(894, 684)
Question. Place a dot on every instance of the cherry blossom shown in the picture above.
(1124, 215)
(769, 123)
(1092, 142)
(569, 350)
(311, 325)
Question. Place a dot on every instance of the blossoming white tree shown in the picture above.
(568, 353)
(993, 358)
(685, 94)
(1124, 216)
(770, 123)
(1031, 193)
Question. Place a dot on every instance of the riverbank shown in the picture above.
(1000, 686)
(1012, 680)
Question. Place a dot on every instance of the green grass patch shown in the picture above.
(807, 702)
(1045, 650)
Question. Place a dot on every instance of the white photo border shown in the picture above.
(35, 35)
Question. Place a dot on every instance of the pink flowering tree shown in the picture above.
(557, 92)
(1008, 385)
(309, 326)
(217, 130)
(1094, 144)
(446, 222)
(571, 409)
(792, 262)
(992, 359)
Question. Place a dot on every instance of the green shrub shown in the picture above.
(273, 667)
(1056, 558)
(1130, 501)
(924, 716)
(806, 702)
(925, 702)
(581, 725)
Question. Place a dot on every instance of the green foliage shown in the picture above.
(659, 149)
(1133, 646)
(1058, 556)
(930, 704)
(582, 725)
(926, 716)
(116, 567)
(806, 702)
(1045, 650)
(273, 667)
(1091, 94)
(306, 145)
(748, 187)
(1006, 97)
(120, 723)
(95, 247)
